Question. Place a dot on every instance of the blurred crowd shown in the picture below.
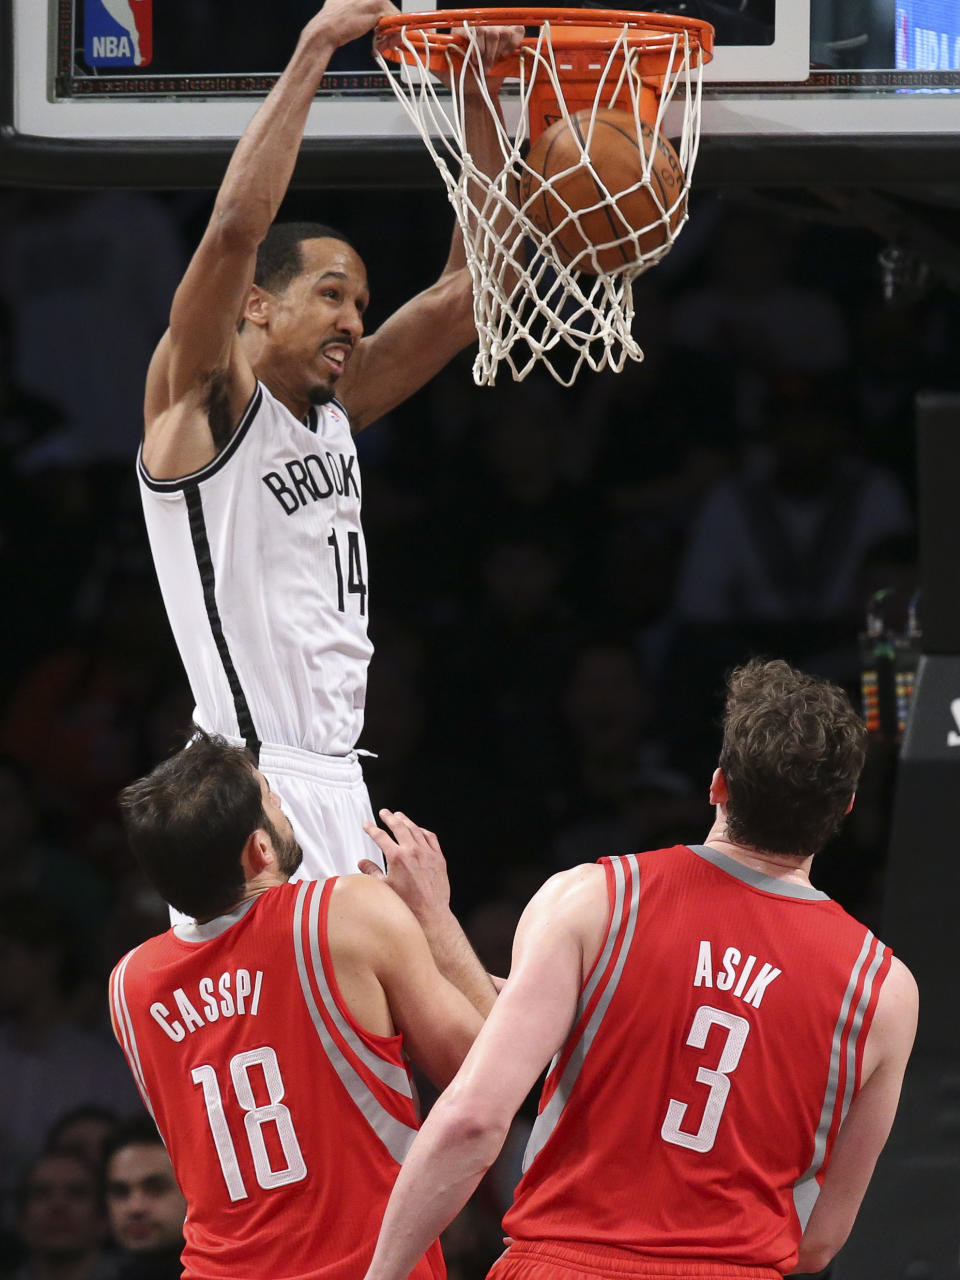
(559, 580)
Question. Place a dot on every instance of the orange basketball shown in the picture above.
(599, 192)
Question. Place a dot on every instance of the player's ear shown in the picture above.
(257, 310)
(850, 805)
(718, 788)
(258, 854)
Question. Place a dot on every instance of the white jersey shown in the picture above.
(263, 570)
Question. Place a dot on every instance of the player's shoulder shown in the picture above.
(573, 898)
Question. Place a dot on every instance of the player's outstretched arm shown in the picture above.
(867, 1124)
(557, 940)
(426, 333)
(417, 871)
(199, 379)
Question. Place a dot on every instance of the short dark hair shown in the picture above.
(139, 1131)
(188, 821)
(793, 749)
(280, 257)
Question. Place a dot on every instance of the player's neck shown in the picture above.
(781, 866)
(252, 889)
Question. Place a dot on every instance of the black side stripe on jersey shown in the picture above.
(201, 549)
(221, 460)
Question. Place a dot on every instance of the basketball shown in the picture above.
(599, 192)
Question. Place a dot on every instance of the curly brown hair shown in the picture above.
(793, 750)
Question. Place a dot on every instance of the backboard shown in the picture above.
(155, 92)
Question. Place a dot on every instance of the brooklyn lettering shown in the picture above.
(233, 994)
(734, 973)
(311, 479)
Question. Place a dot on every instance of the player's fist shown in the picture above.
(345, 20)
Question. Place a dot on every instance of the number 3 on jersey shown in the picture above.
(254, 1119)
(355, 583)
(716, 1078)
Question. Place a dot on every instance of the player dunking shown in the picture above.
(248, 470)
(730, 1043)
(268, 1037)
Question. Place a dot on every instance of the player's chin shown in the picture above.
(321, 392)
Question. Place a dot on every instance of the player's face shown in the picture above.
(144, 1203)
(288, 851)
(318, 320)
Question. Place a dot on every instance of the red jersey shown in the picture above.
(717, 1047)
(285, 1120)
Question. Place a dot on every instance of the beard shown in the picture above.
(289, 854)
(320, 395)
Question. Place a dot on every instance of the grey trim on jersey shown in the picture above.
(546, 1121)
(807, 1189)
(124, 1025)
(190, 931)
(222, 458)
(393, 1076)
(757, 879)
(393, 1133)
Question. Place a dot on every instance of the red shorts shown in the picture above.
(549, 1260)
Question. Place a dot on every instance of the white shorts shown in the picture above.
(326, 800)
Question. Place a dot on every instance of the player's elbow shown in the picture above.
(474, 1125)
(816, 1255)
(456, 307)
(239, 225)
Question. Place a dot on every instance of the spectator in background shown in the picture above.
(775, 556)
(83, 1132)
(145, 1206)
(61, 1223)
(48, 1064)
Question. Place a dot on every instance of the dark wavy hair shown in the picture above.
(280, 256)
(188, 821)
(793, 750)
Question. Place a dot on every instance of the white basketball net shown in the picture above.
(529, 305)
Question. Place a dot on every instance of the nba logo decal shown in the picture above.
(118, 33)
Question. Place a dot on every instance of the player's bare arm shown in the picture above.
(389, 979)
(868, 1122)
(558, 938)
(200, 379)
(417, 872)
(420, 338)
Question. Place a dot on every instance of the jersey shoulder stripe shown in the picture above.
(123, 1026)
(394, 1133)
(846, 1058)
(623, 891)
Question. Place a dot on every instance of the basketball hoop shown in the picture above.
(553, 261)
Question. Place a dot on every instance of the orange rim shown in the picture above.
(572, 31)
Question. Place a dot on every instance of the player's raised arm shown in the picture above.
(867, 1124)
(417, 872)
(420, 338)
(381, 954)
(200, 380)
(557, 940)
